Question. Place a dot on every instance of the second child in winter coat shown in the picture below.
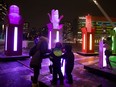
(55, 57)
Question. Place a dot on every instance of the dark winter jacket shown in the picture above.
(41, 49)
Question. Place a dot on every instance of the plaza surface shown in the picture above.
(18, 74)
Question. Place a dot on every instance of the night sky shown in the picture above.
(35, 11)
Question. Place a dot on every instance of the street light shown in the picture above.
(104, 13)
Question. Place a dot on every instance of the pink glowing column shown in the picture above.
(88, 36)
(13, 39)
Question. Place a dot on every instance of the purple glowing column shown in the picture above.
(102, 57)
(13, 39)
(50, 36)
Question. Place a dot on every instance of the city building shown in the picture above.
(3, 12)
(69, 31)
(101, 24)
(26, 26)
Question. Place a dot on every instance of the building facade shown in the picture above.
(26, 31)
(3, 12)
(101, 24)
(69, 31)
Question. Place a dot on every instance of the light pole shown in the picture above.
(103, 12)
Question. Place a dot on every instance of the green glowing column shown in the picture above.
(113, 34)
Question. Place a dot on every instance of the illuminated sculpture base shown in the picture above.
(55, 35)
(87, 40)
(13, 40)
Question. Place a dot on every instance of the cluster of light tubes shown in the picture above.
(90, 42)
(15, 38)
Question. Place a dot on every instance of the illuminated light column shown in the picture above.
(113, 44)
(6, 38)
(102, 57)
(90, 42)
(63, 66)
(84, 45)
(57, 36)
(88, 36)
(14, 30)
(15, 38)
(113, 34)
(49, 40)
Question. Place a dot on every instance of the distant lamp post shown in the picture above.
(103, 12)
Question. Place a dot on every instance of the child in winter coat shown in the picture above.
(55, 57)
(69, 62)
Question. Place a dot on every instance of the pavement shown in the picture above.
(18, 74)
